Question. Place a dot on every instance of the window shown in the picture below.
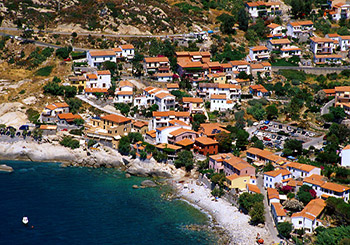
(300, 222)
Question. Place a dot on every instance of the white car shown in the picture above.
(255, 124)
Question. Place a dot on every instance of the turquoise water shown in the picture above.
(90, 206)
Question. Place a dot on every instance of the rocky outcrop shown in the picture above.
(5, 168)
(148, 183)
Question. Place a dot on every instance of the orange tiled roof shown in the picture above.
(172, 85)
(140, 124)
(68, 116)
(329, 56)
(117, 49)
(238, 163)
(48, 127)
(335, 187)
(206, 141)
(96, 90)
(300, 166)
(125, 84)
(218, 97)
(178, 122)
(152, 133)
(127, 46)
(312, 210)
(211, 129)
(192, 100)
(329, 91)
(185, 142)
(259, 48)
(280, 41)
(301, 23)
(321, 40)
(221, 156)
(104, 72)
(239, 62)
(342, 89)
(91, 76)
(253, 188)
(272, 193)
(279, 209)
(169, 146)
(163, 95)
(273, 26)
(180, 131)
(116, 118)
(100, 53)
(156, 59)
(171, 113)
(277, 172)
(315, 179)
(57, 105)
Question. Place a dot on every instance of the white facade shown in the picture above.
(162, 119)
(273, 177)
(232, 91)
(299, 170)
(162, 134)
(258, 53)
(321, 45)
(96, 58)
(345, 157)
(99, 79)
(128, 51)
(344, 43)
(300, 28)
(220, 103)
(278, 213)
(165, 101)
(123, 97)
(291, 51)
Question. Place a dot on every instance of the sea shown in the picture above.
(91, 206)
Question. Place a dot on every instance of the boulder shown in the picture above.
(148, 183)
(5, 168)
(127, 175)
(135, 187)
(137, 172)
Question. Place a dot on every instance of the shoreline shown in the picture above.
(225, 218)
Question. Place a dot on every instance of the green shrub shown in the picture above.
(45, 71)
(68, 141)
(32, 115)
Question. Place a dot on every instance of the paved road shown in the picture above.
(269, 222)
(306, 68)
(325, 108)
(87, 33)
(314, 142)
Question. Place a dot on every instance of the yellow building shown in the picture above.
(78, 81)
(108, 129)
(218, 77)
(239, 182)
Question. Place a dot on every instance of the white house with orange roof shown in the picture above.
(128, 51)
(272, 195)
(276, 31)
(163, 118)
(156, 64)
(308, 218)
(232, 91)
(50, 112)
(165, 101)
(278, 44)
(219, 102)
(126, 86)
(340, 10)
(257, 155)
(345, 156)
(278, 213)
(96, 58)
(258, 53)
(291, 51)
(300, 170)
(172, 86)
(329, 189)
(259, 90)
(163, 76)
(193, 105)
(240, 65)
(315, 181)
(300, 28)
(148, 96)
(342, 96)
(173, 134)
(263, 68)
(253, 188)
(319, 45)
(118, 53)
(262, 9)
(344, 43)
(123, 97)
(276, 177)
(99, 79)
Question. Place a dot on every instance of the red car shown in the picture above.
(267, 139)
(64, 129)
(68, 59)
(264, 127)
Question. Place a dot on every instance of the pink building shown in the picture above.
(181, 134)
(236, 165)
(215, 161)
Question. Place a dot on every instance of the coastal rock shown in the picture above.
(135, 187)
(148, 183)
(137, 172)
(127, 175)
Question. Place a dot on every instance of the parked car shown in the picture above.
(264, 127)
(255, 124)
(64, 129)
(266, 138)
(273, 136)
(280, 126)
(18, 134)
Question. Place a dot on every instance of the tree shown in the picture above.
(242, 139)
(63, 52)
(218, 179)
(293, 147)
(74, 104)
(135, 137)
(333, 236)
(225, 141)
(268, 167)
(271, 112)
(259, 144)
(68, 141)
(246, 200)
(243, 19)
(78, 121)
(257, 213)
(74, 34)
(124, 145)
(198, 119)
(123, 108)
(227, 23)
(338, 113)
(70, 91)
(306, 194)
(184, 159)
(217, 192)
(284, 229)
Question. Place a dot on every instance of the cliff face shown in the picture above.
(138, 16)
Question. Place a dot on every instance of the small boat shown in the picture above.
(25, 220)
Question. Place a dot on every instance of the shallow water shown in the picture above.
(90, 206)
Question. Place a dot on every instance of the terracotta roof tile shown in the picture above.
(206, 141)
(253, 188)
(116, 118)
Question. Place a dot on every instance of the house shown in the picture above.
(48, 129)
(340, 10)
(335, 190)
(272, 195)
(329, 92)
(165, 101)
(278, 213)
(151, 136)
(216, 161)
(236, 165)
(315, 181)
(299, 170)
(140, 147)
(290, 52)
(278, 44)
(140, 127)
(218, 102)
(174, 134)
(257, 155)
(240, 183)
(156, 64)
(125, 86)
(240, 66)
(345, 156)
(50, 112)
(258, 53)
(123, 97)
(163, 118)
(259, 90)
(169, 149)
(206, 146)
(93, 92)
(193, 105)
(163, 76)
(342, 95)
(276, 176)
(148, 96)
(232, 91)
(307, 219)
(263, 9)
(253, 189)
(67, 118)
(186, 144)
(328, 59)
(300, 28)
(192, 69)
(263, 69)
(118, 53)
(344, 43)
(219, 77)
(96, 58)
(78, 82)
(211, 129)
(172, 86)
(99, 79)
(276, 31)
(108, 129)
(202, 57)
(320, 45)
(128, 51)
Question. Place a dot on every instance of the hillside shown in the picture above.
(123, 17)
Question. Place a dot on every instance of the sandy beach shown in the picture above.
(235, 223)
